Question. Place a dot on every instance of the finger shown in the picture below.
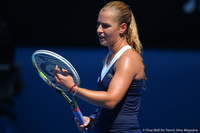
(65, 72)
(80, 127)
(87, 121)
(57, 79)
(76, 121)
(58, 70)
(56, 73)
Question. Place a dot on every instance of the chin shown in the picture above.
(103, 43)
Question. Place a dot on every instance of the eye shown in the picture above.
(105, 26)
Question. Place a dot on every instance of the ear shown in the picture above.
(123, 28)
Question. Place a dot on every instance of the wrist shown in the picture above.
(74, 90)
(71, 88)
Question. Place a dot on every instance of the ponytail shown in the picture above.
(132, 35)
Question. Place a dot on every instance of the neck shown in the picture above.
(117, 46)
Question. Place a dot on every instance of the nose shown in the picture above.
(99, 28)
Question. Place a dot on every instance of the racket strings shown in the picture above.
(47, 63)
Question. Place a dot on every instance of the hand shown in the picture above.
(66, 81)
(83, 127)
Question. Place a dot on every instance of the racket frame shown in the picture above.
(74, 106)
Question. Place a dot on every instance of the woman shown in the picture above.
(122, 77)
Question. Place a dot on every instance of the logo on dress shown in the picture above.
(110, 75)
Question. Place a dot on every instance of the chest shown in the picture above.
(105, 82)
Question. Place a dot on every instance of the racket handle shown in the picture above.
(79, 117)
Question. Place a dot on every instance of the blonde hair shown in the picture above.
(123, 14)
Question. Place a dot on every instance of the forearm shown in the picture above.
(97, 98)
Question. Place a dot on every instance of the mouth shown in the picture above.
(101, 38)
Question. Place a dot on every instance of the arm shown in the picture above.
(125, 69)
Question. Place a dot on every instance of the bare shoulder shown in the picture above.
(132, 62)
(131, 56)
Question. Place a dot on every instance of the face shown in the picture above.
(108, 29)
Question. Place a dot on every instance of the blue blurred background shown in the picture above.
(168, 30)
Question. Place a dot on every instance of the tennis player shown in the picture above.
(122, 77)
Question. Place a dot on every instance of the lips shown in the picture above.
(101, 38)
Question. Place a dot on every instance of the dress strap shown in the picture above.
(119, 53)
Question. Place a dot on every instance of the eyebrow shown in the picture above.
(99, 22)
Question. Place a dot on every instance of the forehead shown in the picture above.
(106, 16)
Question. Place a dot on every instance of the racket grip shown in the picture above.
(78, 115)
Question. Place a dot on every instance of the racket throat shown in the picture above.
(66, 98)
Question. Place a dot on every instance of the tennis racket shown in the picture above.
(44, 62)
